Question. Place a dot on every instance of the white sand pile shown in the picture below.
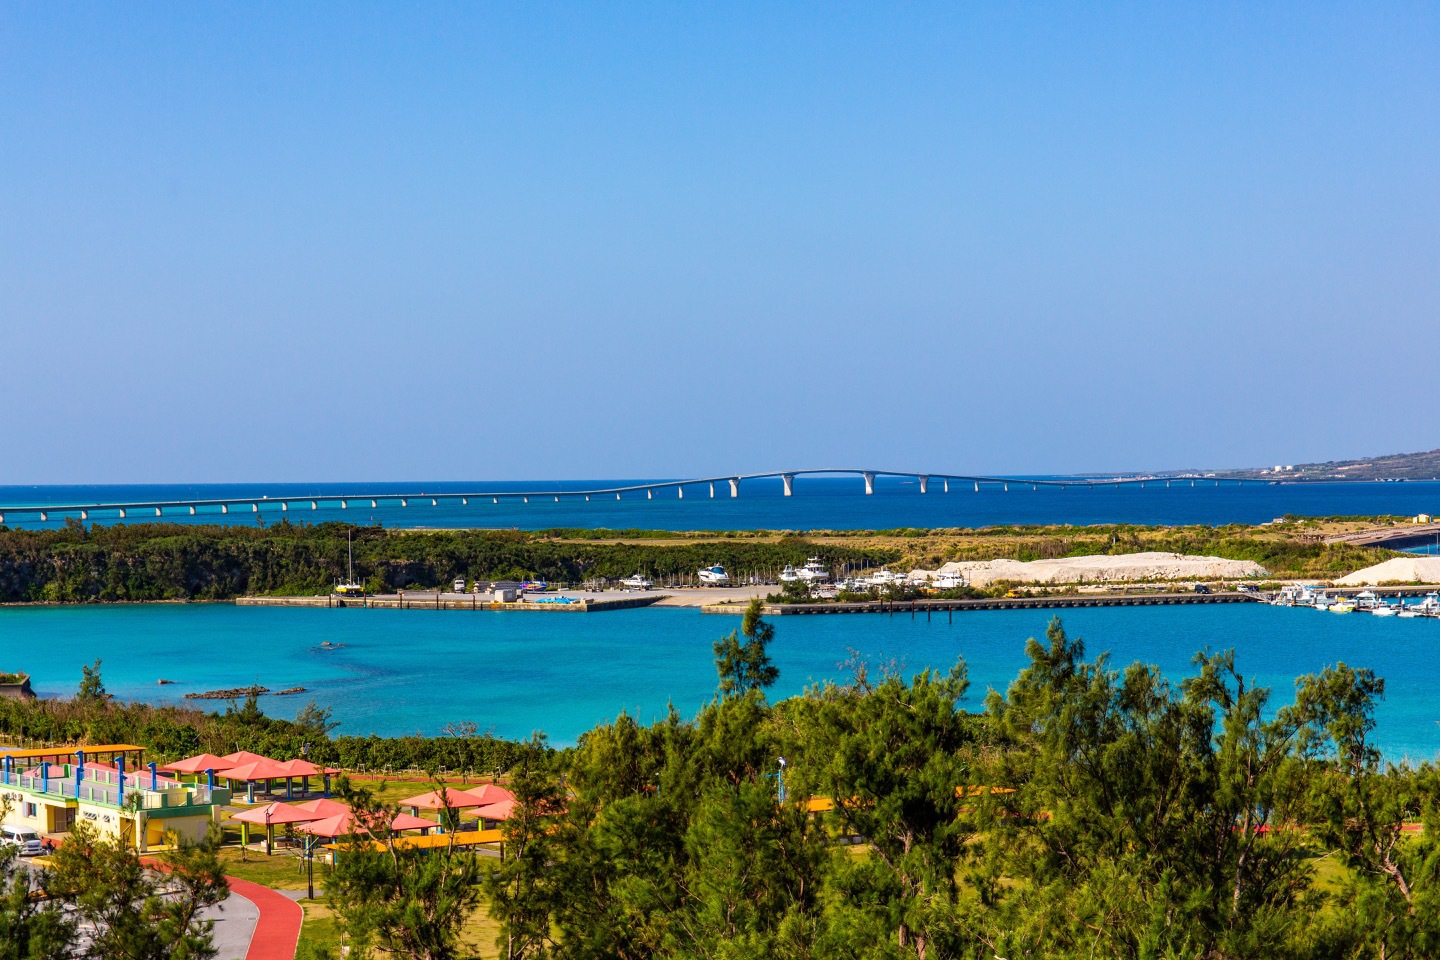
(1396, 570)
(1106, 569)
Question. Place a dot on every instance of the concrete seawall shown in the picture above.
(452, 602)
(929, 607)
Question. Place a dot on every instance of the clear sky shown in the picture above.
(501, 241)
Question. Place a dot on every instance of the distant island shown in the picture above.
(1392, 466)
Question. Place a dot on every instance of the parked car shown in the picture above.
(1201, 588)
(26, 839)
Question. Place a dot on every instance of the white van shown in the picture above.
(26, 839)
(459, 584)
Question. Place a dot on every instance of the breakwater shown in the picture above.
(441, 601)
(930, 607)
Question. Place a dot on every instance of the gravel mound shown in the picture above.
(1106, 569)
(1395, 570)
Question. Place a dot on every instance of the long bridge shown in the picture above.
(45, 512)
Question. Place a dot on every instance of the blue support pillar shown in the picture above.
(120, 790)
(210, 779)
(7, 770)
(44, 776)
(327, 786)
(154, 780)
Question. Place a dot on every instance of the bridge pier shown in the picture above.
(869, 483)
(789, 479)
(924, 484)
(734, 487)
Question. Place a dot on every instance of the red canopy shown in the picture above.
(344, 823)
(456, 800)
(301, 768)
(243, 756)
(205, 761)
(274, 813)
(261, 769)
(488, 793)
(497, 811)
(322, 807)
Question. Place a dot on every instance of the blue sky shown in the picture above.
(349, 241)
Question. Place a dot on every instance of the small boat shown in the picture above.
(636, 582)
(714, 576)
(1366, 600)
(948, 581)
(1407, 612)
(1382, 609)
(1342, 606)
(348, 587)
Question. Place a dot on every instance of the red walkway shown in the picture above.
(277, 932)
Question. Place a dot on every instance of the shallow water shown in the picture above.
(413, 671)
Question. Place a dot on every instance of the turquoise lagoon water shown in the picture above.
(413, 671)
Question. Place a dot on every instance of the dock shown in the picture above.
(929, 607)
(455, 601)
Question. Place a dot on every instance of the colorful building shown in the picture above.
(52, 789)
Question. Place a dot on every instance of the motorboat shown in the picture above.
(883, 578)
(948, 581)
(636, 582)
(714, 576)
(1366, 600)
(1342, 606)
(789, 574)
(1430, 606)
(1382, 609)
(813, 571)
(1296, 595)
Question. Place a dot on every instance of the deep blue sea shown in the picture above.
(819, 503)
(413, 671)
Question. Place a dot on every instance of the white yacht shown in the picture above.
(813, 571)
(1366, 600)
(636, 582)
(883, 578)
(789, 574)
(714, 576)
(948, 581)
(348, 587)
(1382, 609)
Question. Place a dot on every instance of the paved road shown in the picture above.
(235, 921)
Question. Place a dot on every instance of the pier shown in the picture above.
(454, 601)
(930, 607)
